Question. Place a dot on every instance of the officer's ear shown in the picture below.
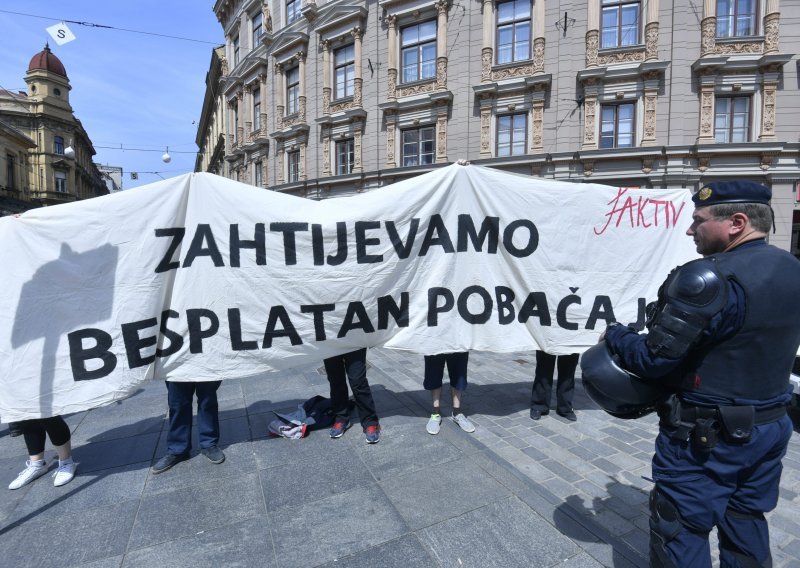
(739, 222)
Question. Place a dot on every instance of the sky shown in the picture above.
(129, 90)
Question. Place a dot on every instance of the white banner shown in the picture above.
(203, 278)
(61, 33)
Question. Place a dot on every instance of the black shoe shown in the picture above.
(569, 415)
(167, 462)
(214, 454)
(14, 429)
(537, 414)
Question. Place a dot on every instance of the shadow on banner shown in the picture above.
(75, 290)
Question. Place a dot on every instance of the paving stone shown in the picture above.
(338, 526)
(199, 508)
(405, 552)
(441, 492)
(246, 543)
(504, 531)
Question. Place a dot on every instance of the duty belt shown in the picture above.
(762, 415)
(703, 423)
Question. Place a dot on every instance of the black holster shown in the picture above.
(737, 423)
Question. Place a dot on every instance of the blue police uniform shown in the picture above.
(718, 454)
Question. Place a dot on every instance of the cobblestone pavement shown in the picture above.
(514, 493)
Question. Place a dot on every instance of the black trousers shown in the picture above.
(351, 367)
(35, 431)
(543, 381)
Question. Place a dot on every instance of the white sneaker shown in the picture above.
(64, 473)
(464, 422)
(434, 424)
(31, 472)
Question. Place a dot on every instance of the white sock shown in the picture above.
(37, 463)
(65, 462)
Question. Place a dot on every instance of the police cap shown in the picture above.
(732, 192)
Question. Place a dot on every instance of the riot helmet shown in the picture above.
(615, 390)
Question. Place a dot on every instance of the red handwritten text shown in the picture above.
(639, 212)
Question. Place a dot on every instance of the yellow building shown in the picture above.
(59, 164)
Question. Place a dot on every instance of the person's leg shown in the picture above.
(434, 373)
(565, 388)
(542, 384)
(457, 370)
(60, 436)
(356, 369)
(743, 531)
(207, 413)
(179, 398)
(337, 381)
(34, 435)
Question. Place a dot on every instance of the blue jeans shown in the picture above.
(180, 397)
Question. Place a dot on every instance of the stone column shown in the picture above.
(358, 35)
(706, 110)
(537, 122)
(486, 102)
(248, 124)
(326, 76)
(280, 159)
(487, 50)
(708, 28)
(357, 139)
(538, 37)
(769, 89)
(301, 57)
(441, 44)
(326, 151)
(302, 166)
(592, 33)
(393, 47)
(262, 79)
(441, 133)
(589, 115)
(240, 122)
(772, 21)
(651, 31)
(280, 92)
(391, 123)
(650, 114)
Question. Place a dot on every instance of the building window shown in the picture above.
(61, 182)
(419, 51)
(258, 28)
(11, 183)
(732, 119)
(418, 146)
(292, 10)
(344, 71)
(236, 124)
(513, 31)
(236, 51)
(620, 23)
(256, 109)
(344, 157)
(293, 164)
(257, 174)
(292, 90)
(58, 145)
(511, 134)
(736, 18)
(617, 125)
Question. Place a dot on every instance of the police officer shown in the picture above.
(725, 333)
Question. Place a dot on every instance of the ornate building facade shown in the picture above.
(330, 98)
(58, 167)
